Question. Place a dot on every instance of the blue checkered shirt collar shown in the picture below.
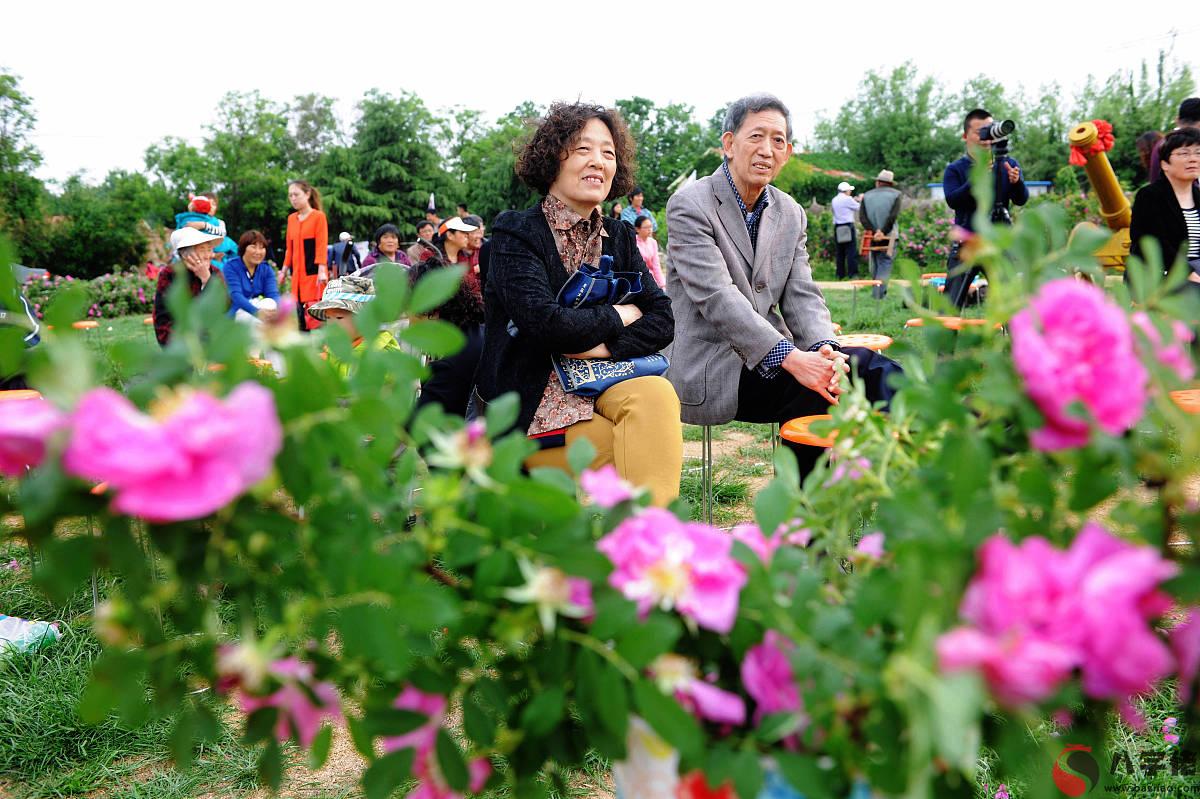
(753, 218)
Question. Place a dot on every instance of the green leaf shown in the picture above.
(435, 288)
(776, 503)
(260, 726)
(319, 752)
(580, 455)
(392, 721)
(646, 640)
(477, 723)
(434, 337)
(450, 759)
(391, 290)
(183, 732)
(803, 774)
(270, 765)
(502, 414)
(544, 712)
(387, 774)
(613, 614)
(676, 726)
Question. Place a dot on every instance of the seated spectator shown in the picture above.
(344, 297)
(648, 246)
(453, 377)
(386, 248)
(425, 231)
(580, 156)
(192, 256)
(475, 240)
(754, 340)
(617, 208)
(636, 209)
(1168, 210)
(253, 290)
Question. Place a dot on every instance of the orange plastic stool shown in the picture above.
(1187, 399)
(871, 341)
(796, 431)
(19, 394)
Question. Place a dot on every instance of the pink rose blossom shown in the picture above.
(422, 738)
(752, 536)
(605, 486)
(25, 427)
(433, 785)
(1037, 613)
(768, 678)
(677, 676)
(1174, 355)
(849, 470)
(1074, 345)
(296, 708)
(661, 561)
(192, 457)
(871, 545)
(423, 741)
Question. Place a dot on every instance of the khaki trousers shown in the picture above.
(636, 428)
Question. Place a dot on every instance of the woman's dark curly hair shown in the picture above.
(538, 164)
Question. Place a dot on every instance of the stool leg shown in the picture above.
(774, 445)
(706, 475)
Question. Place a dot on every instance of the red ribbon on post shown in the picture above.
(1103, 143)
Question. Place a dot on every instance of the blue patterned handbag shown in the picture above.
(591, 377)
(599, 285)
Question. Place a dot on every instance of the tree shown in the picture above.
(95, 228)
(315, 130)
(896, 122)
(389, 172)
(1136, 101)
(180, 168)
(22, 196)
(486, 162)
(669, 142)
(250, 149)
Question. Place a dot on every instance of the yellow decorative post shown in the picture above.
(1114, 207)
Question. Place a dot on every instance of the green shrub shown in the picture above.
(109, 296)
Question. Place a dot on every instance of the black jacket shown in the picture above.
(525, 274)
(1156, 213)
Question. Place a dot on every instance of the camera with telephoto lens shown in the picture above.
(997, 133)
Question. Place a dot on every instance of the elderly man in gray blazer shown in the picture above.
(753, 336)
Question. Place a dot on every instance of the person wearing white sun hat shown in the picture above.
(191, 257)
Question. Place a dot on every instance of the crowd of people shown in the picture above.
(735, 328)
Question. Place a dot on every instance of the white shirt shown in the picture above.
(845, 208)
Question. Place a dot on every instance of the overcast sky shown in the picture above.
(109, 79)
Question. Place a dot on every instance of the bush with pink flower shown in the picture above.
(989, 557)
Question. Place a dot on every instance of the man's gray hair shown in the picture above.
(752, 104)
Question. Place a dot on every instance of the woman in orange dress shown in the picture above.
(307, 240)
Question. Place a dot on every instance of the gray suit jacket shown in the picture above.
(732, 302)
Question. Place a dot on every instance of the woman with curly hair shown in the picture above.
(580, 156)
